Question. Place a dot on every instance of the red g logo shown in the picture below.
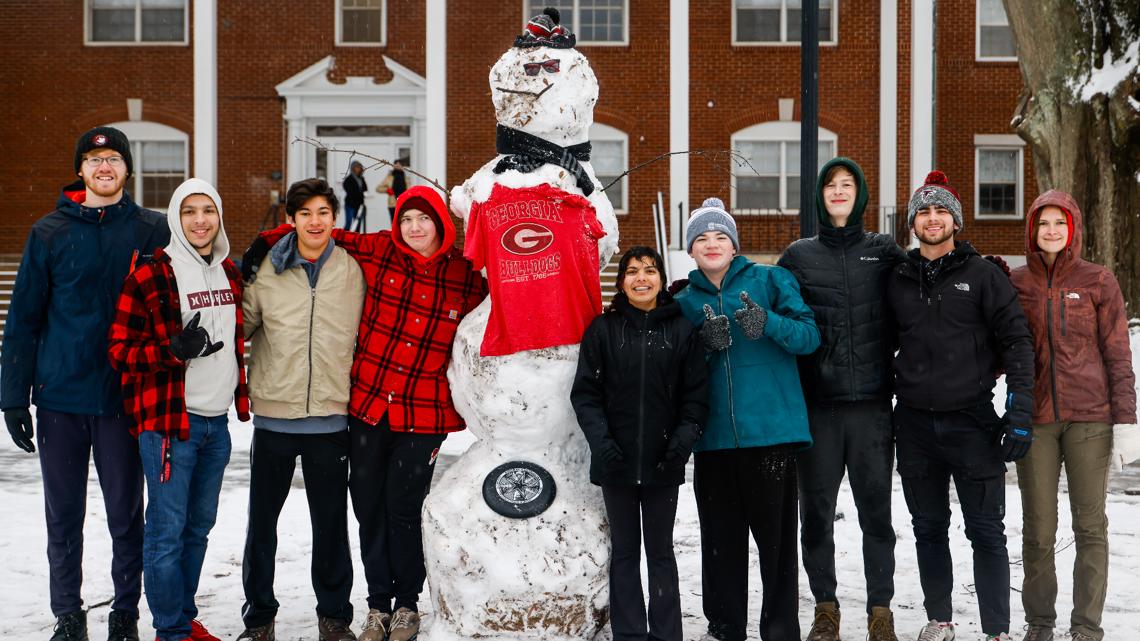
(99, 140)
(525, 239)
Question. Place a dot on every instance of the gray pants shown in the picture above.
(1084, 449)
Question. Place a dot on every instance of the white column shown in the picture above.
(921, 90)
(678, 116)
(435, 155)
(296, 151)
(206, 90)
(888, 105)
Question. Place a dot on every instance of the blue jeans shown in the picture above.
(179, 516)
(350, 216)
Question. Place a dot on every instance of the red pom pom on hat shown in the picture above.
(938, 178)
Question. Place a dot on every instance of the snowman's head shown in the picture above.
(544, 86)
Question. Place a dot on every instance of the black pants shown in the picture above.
(634, 512)
(66, 442)
(389, 480)
(934, 447)
(739, 491)
(324, 466)
(856, 439)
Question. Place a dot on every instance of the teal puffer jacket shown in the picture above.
(755, 398)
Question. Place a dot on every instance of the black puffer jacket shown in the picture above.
(843, 275)
(957, 334)
(641, 382)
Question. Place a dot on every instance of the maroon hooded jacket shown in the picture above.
(1080, 331)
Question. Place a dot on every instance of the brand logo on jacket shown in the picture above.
(869, 258)
(1073, 295)
(198, 300)
(962, 287)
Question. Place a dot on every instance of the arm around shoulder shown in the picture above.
(791, 323)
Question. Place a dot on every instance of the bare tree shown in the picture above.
(1080, 115)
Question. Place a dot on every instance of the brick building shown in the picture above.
(222, 89)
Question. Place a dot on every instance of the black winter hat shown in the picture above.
(104, 138)
(546, 30)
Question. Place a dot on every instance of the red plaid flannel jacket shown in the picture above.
(147, 315)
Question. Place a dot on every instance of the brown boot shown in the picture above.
(825, 627)
(334, 630)
(881, 625)
(259, 633)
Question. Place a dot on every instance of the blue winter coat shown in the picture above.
(55, 337)
(755, 397)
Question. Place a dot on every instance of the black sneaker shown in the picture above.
(71, 627)
(122, 626)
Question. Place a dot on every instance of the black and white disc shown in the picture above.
(519, 489)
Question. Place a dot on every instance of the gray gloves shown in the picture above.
(714, 332)
(751, 317)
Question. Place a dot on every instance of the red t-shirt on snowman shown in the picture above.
(540, 247)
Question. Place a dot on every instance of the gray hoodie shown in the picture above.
(203, 287)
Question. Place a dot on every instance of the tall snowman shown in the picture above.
(515, 537)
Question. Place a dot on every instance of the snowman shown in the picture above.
(515, 536)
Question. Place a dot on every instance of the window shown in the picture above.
(609, 157)
(160, 155)
(998, 182)
(766, 174)
(778, 21)
(136, 21)
(594, 22)
(994, 37)
(360, 22)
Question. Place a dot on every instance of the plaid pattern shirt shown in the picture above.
(412, 309)
(147, 315)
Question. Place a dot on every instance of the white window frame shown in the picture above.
(140, 131)
(138, 41)
(339, 18)
(575, 22)
(600, 132)
(783, 41)
(781, 131)
(978, 37)
(999, 142)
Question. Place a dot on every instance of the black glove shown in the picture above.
(252, 258)
(610, 453)
(714, 331)
(678, 285)
(1000, 262)
(1018, 433)
(680, 447)
(193, 342)
(19, 421)
(751, 317)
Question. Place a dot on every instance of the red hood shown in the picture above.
(1057, 198)
(425, 195)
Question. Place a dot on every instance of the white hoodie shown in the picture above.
(203, 287)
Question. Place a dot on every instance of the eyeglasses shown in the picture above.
(532, 68)
(95, 161)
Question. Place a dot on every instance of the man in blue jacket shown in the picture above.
(754, 323)
(55, 352)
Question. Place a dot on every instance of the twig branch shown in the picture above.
(733, 155)
(377, 162)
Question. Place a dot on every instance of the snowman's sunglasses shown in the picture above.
(533, 68)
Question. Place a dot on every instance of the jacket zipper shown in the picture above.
(850, 324)
(312, 312)
(1063, 326)
(728, 372)
(1052, 351)
(641, 403)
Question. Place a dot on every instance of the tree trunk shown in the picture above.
(1080, 115)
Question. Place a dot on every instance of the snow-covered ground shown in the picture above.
(24, 611)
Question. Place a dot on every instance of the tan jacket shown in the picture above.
(303, 339)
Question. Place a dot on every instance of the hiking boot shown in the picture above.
(936, 631)
(71, 627)
(881, 624)
(1080, 636)
(825, 627)
(122, 626)
(1038, 633)
(375, 626)
(330, 629)
(198, 632)
(405, 625)
(259, 633)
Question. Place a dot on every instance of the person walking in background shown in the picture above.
(1084, 385)
(354, 190)
(55, 352)
(302, 315)
(958, 321)
(394, 185)
(843, 273)
(176, 340)
(641, 399)
(754, 323)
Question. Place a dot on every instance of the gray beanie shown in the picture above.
(710, 216)
(935, 191)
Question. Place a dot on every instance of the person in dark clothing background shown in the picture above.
(959, 321)
(354, 190)
(843, 274)
(394, 184)
(641, 399)
(55, 352)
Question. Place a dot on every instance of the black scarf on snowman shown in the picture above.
(526, 152)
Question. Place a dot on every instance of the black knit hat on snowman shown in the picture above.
(711, 216)
(546, 30)
(937, 192)
(104, 138)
